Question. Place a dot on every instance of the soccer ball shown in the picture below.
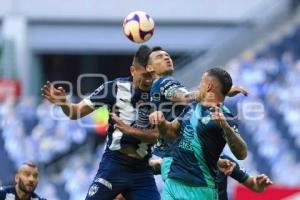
(138, 26)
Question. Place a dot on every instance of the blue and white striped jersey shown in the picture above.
(131, 105)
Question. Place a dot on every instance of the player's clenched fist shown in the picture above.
(156, 118)
(54, 95)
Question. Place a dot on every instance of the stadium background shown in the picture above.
(257, 41)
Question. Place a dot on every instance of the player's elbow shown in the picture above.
(73, 117)
(241, 155)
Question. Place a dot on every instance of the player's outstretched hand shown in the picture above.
(54, 95)
(119, 124)
(156, 118)
(226, 166)
(235, 90)
(263, 181)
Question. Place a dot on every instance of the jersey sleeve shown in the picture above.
(238, 173)
(103, 95)
(169, 86)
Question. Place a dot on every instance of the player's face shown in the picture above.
(161, 63)
(141, 78)
(27, 178)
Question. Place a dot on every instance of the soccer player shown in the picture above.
(26, 179)
(201, 130)
(170, 96)
(254, 183)
(124, 166)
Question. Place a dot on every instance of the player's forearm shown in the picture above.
(144, 135)
(70, 110)
(235, 143)
(183, 97)
(76, 111)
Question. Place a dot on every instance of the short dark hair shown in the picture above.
(156, 48)
(141, 57)
(153, 49)
(223, 77)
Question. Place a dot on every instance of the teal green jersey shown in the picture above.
(198, 149)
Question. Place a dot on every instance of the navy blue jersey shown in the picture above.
(131, 105)
(162, 91)
(9, 193)
(238, 174)
(199, 146)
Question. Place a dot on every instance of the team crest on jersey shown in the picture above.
(93, 189)
(205, 120)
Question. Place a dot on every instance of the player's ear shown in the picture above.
(149, 68)
(17, 178)
(209, 87)
(132, 70)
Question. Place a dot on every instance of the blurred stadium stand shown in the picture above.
(59, 40)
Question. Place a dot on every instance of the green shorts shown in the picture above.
(176, 189)
(165, 167)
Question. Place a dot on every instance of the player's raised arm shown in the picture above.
(57, 96)
(144, 135)
(168, 130)
(180, 94)
(235, 142)
(235, 90)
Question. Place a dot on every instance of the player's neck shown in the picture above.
(21, 194)
(168, 73)
(211, 99)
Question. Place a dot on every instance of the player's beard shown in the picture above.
(23, 188)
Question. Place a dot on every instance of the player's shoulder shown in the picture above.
(230, 116)
(226, 110)
(7, 188)
(166, 79)
(122, 80)
(115, 81)
(111, 85)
